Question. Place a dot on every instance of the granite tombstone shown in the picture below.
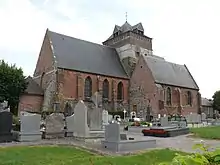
(70, 125)
(81, 129)
(30, 127)
(54, 126)
(5, 126)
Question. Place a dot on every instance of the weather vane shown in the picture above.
(126, 16)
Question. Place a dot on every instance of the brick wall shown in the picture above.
(144, 91)
(186, 109)
(30, 102)
(142, 88)
(45, 73)
(71, 86)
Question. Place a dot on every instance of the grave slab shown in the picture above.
(116, 142)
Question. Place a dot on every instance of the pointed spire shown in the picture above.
(126, 16)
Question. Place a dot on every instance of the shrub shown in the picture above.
(16, 123)
(207, 157)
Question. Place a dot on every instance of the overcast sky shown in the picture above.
(183, 31)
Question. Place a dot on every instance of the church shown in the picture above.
(123, 71)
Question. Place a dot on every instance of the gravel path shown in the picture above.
(182, 143)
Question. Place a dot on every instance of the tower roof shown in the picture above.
(127, 27)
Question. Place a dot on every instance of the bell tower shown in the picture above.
(130, 43)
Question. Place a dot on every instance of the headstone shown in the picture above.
(159, 116)
(3, 106)
(81, 128)
(182, 124)
(203, 117)
(96, 119)
(133, 115)
(112, 132)
(30, 127)
(105, 117)
(55, 125)
(70, 125)
(97, 99)
(110, 118)
(5, 126)
(164, 121)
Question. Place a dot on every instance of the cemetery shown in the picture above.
(166, 127)
(95, 130)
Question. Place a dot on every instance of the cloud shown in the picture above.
(183, 31)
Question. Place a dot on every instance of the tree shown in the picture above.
(12, 84)
(216, 100)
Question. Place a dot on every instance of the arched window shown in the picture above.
(88, 88)
(120, 91)
(189, 98)
(168, 96)
(105, 89)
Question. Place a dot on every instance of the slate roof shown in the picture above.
(206, 102)
(165, 72)
(127, 27)
(79, 55)
(33, 87)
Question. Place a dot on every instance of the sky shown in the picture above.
(183, 31)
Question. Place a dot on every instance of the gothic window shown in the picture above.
(88, 88)
(189, 98)
(120, 91)
(105, 89)
(168, 96)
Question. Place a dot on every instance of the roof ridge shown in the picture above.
(80, 39)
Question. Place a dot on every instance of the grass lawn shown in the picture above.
(206, 132)
(57, 155)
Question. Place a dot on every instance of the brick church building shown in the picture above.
(123, 70)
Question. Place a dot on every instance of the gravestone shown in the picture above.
(105, 117)
(133, 115)
(96, 119)
(159, 116)
(117, 142)
(203, 117)
(3, 106)
(30, 127)
(112, 132)
(54, 126)
(70, 125)
(110, 118)
(182, 124)
(5, 126)
(164, 121)
(81, 128)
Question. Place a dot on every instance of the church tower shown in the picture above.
(130, 42)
